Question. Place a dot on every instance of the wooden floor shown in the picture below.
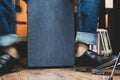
(56, 74)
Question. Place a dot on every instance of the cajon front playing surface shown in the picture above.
(50, 33)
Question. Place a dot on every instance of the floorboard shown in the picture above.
(57, 74)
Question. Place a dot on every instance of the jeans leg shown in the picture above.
(7, 23)
(7, 17)
(87, 17)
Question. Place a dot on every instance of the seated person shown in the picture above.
(87, 17)
(8, 52)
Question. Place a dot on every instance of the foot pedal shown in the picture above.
(98, 72)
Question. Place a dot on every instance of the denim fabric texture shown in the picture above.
(7, 23)
(7, 17)
(87, 17)
(8, 40)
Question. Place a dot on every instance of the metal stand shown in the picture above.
(112, 73)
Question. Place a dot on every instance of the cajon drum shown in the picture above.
(50, 33)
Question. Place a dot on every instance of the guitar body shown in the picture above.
(21, 17)
(50, 33)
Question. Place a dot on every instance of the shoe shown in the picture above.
(91, 59)
(7, 63)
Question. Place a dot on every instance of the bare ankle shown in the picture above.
(81, 48)
(12, 51)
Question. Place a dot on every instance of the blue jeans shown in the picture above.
(7, 23)
(7, 17)
(87, 17)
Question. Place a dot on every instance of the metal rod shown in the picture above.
(112, 73)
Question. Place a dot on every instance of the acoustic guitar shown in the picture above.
(21, 17)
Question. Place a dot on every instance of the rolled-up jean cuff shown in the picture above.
(7, 40)
(87, 38)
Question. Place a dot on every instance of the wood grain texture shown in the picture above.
(56, 74)
(22, 38)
